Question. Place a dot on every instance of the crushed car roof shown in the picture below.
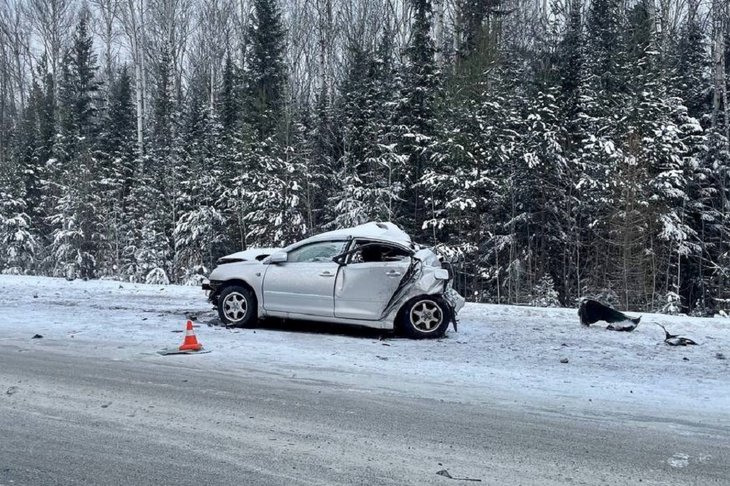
(378, 231)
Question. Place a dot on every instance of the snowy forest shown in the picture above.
(550, 150)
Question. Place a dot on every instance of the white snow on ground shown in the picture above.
(507, 353)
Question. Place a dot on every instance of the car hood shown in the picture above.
(252, 254)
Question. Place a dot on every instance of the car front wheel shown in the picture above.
(425, 317)
(237, 306)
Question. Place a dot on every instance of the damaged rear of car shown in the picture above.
(371, 275)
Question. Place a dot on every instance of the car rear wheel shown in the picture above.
(237, 306)
(425, 317)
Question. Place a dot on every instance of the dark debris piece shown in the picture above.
(446, 474)
(675, 339)
(680, 341)
(626, 326)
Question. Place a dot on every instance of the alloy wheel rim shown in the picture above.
(235, 306)
(426, 316)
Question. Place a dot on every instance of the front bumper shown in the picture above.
(210, 287)
(455, 299)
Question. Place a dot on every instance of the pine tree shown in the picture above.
(266, 70)
(544, 294)
(269, 191)
(570, 60)
(368, 166)
(117, 168)
(322, 132)
(19, 242)
(29, 168)
(419, 99)
(692, 64)
(469, 184)
(477, 39)
(698, 212)
(268, 157)
(153, 200)
(603, 161)
(77, 222)
(41, 209)
(199, 231)
(229, 99)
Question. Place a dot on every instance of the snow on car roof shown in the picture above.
(379, 231)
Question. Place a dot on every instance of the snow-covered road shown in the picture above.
(625, 407)
(505, 352)
(73, 420)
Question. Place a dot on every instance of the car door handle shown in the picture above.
(326, 274)
(393, 273)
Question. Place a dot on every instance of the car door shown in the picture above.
(365, 285)
(305, 283)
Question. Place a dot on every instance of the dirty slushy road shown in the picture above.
(67, 419)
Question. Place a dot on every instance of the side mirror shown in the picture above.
(340, 259)
(279, 257)
(441, 274)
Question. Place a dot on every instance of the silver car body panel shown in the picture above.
(360, 293)
(308, 287)
(251, 254)
(356, 296)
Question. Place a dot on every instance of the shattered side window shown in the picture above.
(316, 252)
(365, 252)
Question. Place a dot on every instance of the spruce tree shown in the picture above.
(153, 200)
(266, 70)
(17, 239)
(692, 65)
(117, 171)
(418, 106)
(199, 232)
(77, 221)
(229, 99)
(367, 190)
(271, 171)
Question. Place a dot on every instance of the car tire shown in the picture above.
(425, 317)
(237, 306)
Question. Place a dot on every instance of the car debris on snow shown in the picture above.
(592, 311)
(625, 326)
(675, 339)
(446, 474)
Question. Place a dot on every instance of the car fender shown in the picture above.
(422, 280)
(250, 273)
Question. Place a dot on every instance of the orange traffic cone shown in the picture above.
(191, 342)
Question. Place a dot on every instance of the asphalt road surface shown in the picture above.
(73, 420)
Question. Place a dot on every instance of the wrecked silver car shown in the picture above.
(371, 275)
